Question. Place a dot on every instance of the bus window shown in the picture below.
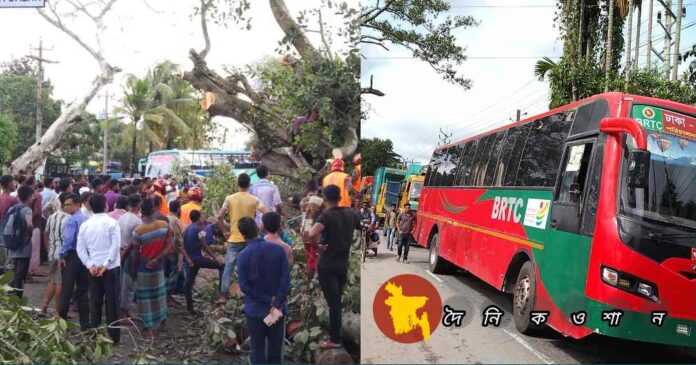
(433, 168)
(468, 163)
(577, 162)
(592, 199)
(449, 167)
(465, 149)
(589, 115)
(481, 162)
(491, 169)
(512, 153)
(541, 156)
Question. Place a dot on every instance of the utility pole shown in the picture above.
(519, 115)
(639, 5)
(677, 39)
(105, 161)
(667, 26)
(650, 22)
(39, 86)
(444, 138)
(629, 39)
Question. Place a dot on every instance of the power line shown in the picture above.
(500, 100)
(468, 57)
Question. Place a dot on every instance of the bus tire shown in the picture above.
(523, 299)
(437, 264)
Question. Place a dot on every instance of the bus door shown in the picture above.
(573, 214)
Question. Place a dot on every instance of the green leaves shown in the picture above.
(301, 337)
(376, 153)
(422, 26)
(27, 339)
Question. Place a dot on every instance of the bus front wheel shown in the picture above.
(437, 264)
(523, 299)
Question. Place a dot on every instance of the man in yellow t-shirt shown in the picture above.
(239, 205)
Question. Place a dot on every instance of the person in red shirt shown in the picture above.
(6, 200)
(7, 184)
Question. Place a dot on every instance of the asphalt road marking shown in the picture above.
(435, 276)
(529, 347)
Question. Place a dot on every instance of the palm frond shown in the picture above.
(544, 67)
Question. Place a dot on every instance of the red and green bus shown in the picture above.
(582, 212)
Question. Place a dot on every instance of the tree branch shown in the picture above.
(58, 24)
(370, 90)
(204, 25)
(375, 15)
(323, 36)
(292, 30)
(376, 43)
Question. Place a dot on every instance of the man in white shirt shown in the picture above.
(98, 245)
(127, 223)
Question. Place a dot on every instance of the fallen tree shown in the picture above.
(37, 153)
(304, 105)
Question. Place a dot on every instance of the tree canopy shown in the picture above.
(582, 70)
(18, 102)
(422, 26)
(377, 152)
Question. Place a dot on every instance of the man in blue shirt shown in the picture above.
(197, 238)
(264, 278)
(75, 275)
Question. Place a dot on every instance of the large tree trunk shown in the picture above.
(34, 156)
(37, 153)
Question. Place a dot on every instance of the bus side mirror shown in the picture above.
(638, 169)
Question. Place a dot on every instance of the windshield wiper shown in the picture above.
(667, 235)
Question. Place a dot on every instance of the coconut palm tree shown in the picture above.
(154, 104)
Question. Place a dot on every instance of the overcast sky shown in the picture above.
(502, 52)
(139, 35)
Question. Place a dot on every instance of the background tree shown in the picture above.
(18, 102)
(8, 136)
(582, 70)
(422, 26)
(377, 152)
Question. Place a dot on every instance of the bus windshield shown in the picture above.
(416, 188)
(160, 164)
(671, 194)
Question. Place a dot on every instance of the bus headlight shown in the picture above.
(645, 289)
(610, 276)
(630, 283)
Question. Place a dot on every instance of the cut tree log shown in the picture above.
(351, 327)
(34, 156)
(332, 356)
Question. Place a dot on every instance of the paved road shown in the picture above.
(473, 343)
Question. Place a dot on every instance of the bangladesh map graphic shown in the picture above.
(407, 308)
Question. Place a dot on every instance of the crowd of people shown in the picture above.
(123, 247)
